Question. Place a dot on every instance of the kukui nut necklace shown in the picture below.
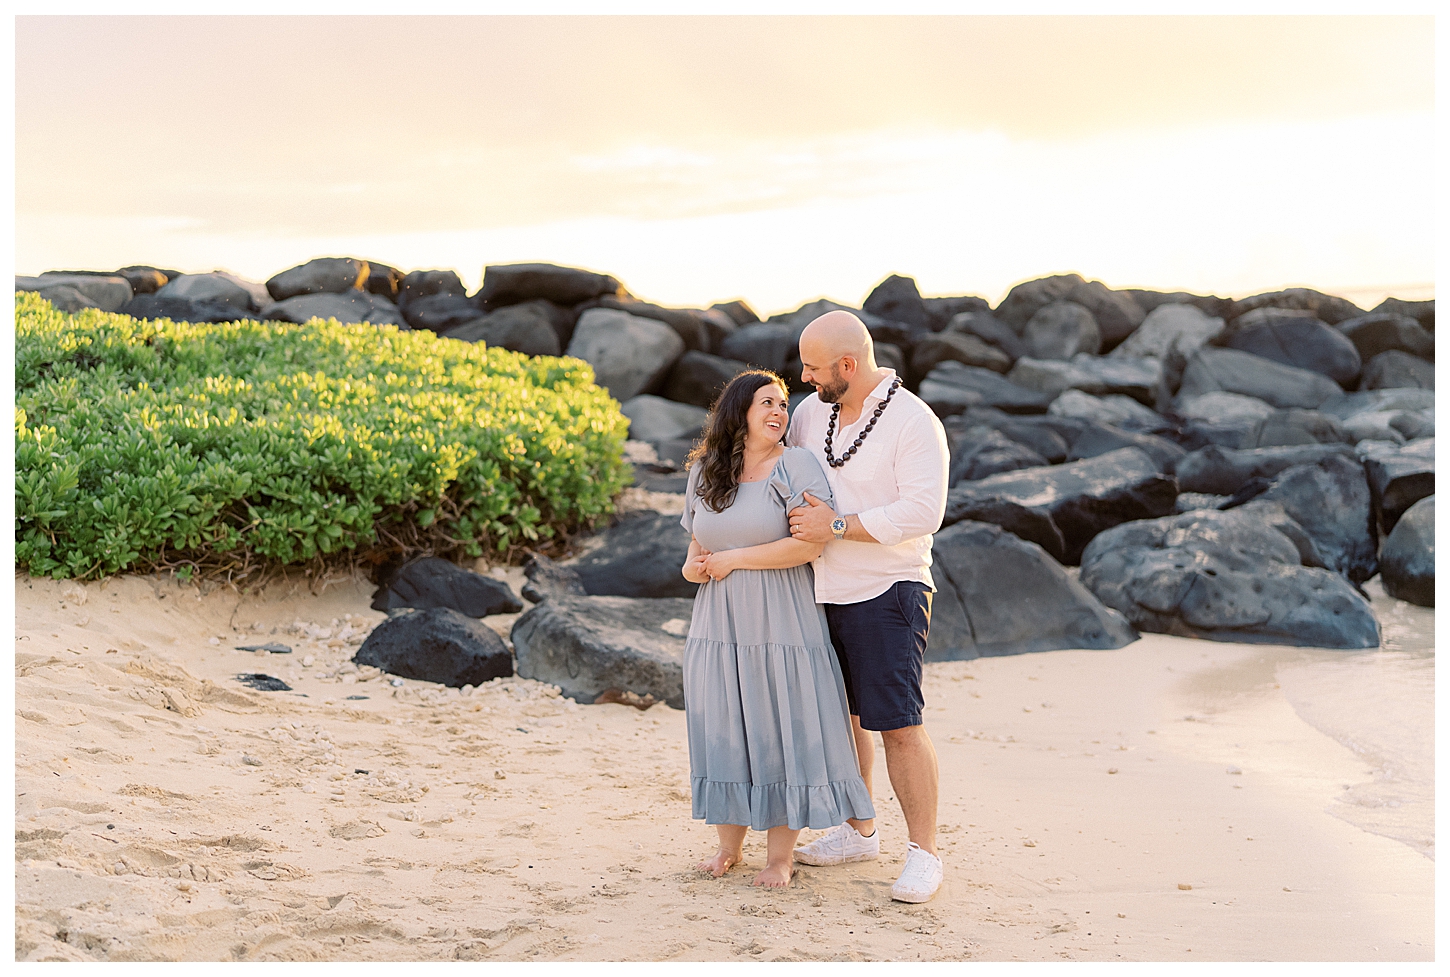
(831, 459)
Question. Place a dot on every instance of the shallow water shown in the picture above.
(1381, 705)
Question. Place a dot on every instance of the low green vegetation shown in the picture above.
(223, 447)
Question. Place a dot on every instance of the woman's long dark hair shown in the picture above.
(721, 450)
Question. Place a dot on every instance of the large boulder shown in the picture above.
(1061, 330)
(764, 345)
(106, 292)
(383, 281)
(1330, 499)
(143, 279)
(1117, 315)
(1226, 576)
(352, 306)
(698, 378)
(989, 328)
(1062, 507)
(591, 645)
(218, 286)
(1221, 407)
(960, 347)
(1114, 409)
(549, 579)
(421, 284)
(1295, 339)
(952, 387)
(1395, 369)
(631, 355)
(1328, 308)
(523, 328)
(319, 275)
(437, 645)
(1223, 471)
(1238, 372)
(1001, 595)
(1170, 326)
(1379, 332)
(1098, 439)
(942, 309)
(738, 310)
(440, 312)
(157, 306)
(691, 325)
(1047, 436)
(435, 582)
(654, 418)
(897, 299)
(639, 556)
(981, 451)
(1422, 311)
(63, 297)
(1407, 558)
(1023, 301)
(1294, 426)
(1132, 376)
(1150, 300)
(511, 284)
(1398, 477)
(1348, 405)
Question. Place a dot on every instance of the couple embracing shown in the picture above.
(811, 540)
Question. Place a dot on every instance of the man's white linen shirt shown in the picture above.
(895, 484)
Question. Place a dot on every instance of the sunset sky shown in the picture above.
(777, 159)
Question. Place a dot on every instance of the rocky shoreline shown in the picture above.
(1232, 469)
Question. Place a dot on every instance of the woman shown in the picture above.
(769, 728)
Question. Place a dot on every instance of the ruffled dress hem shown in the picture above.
(765, 806)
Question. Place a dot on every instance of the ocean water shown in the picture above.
(1381, 705)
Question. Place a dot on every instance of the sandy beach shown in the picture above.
(1167, 801)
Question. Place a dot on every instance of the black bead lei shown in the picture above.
(831, 459)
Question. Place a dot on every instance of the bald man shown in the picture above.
(885, 456)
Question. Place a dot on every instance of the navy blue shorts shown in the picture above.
(881, 644)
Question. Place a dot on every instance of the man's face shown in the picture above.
(829, 383)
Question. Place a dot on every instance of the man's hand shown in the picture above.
(812, 521)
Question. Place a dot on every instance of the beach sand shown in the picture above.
(1164, 801)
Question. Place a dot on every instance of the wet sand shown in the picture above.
(1164, 801)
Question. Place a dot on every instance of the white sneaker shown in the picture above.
(840, 845)
(920, 878)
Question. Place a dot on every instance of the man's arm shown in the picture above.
(922, 463)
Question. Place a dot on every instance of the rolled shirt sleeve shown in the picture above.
(921, 468)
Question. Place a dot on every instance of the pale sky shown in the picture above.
(777, 159)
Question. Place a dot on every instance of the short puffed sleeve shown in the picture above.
(798, 473)
(692, 498)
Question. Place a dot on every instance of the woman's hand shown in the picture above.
(720, 565)
(694, 568)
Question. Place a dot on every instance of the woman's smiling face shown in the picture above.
(769, 414)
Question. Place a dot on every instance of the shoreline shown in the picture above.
(512, 824)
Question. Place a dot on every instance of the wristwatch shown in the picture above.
(838, 527)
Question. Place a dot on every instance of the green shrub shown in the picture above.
(156, 443)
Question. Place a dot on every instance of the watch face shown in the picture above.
(838, 527)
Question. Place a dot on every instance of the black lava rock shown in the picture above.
(437, 645)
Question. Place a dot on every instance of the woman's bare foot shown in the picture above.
(723, 862)
(775, 876)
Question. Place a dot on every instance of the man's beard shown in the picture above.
(830, 393)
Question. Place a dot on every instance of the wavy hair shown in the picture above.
(720, 452)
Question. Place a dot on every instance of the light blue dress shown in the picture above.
(765, 704)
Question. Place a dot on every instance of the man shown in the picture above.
(885, 456)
